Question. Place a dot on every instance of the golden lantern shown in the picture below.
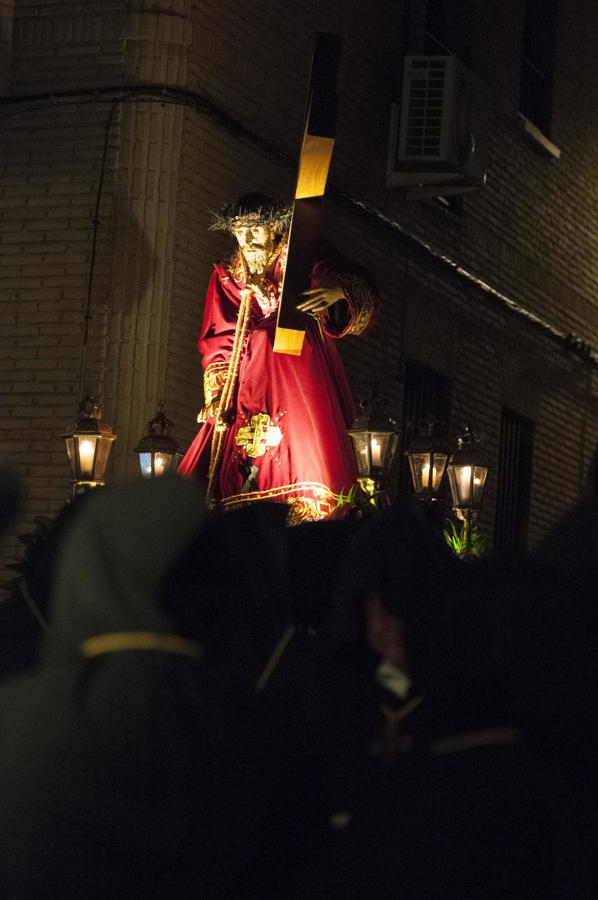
(467, 474)
(428, 456)
(88, 446)
(374, 436)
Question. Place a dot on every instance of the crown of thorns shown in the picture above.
(251, 209)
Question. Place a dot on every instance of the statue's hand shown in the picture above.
(208, 411)
(320, 298)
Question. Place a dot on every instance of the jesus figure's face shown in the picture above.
(257, 244)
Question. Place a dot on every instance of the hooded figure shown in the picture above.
(428, 782)
(556, 658)
(123, 771)
(23, 617)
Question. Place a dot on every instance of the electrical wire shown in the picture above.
(94, 244)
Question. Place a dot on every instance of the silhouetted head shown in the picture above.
(229, 589)
(10, 496)
(396, 570)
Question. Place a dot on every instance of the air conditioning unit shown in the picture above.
(436, 135)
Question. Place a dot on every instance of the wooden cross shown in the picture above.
(314, 163)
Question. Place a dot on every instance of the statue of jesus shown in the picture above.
(274, 426)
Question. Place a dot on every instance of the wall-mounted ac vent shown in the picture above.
(436, 132)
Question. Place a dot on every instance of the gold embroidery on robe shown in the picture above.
(213, 379)
(256, 437)
(302, 508)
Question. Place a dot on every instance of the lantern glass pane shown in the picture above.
(162, 462)
(86, 452)
(460, 478)
(104, 447)
(419, 463)
(439, 461)
(361, 445)
(479, 480)
(70, 452)
(380, 448)
(391, 449)
(145, 464)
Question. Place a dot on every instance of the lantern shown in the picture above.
(158, 451)
(374, 438)
(428, 455)
(467, 473)
(88, 446)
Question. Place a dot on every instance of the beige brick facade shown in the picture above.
(530, 234)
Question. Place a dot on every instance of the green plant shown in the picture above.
(456, 538)
(348, 498)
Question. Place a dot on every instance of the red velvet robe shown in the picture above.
(305, 457)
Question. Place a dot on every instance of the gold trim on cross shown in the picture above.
(256, 437)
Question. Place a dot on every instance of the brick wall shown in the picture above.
(530, 233)
(50, 161)
(7, 10)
